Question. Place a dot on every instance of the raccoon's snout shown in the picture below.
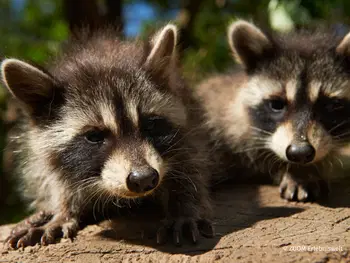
(300, 153)
(143, 180)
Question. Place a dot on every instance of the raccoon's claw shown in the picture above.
(292, 190)
(206, 228)
(30, 238)
(25, 228)
(162, 232)
(44, 235)
(192, 227)
(35, 220)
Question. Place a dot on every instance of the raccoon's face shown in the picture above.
(102, 122)
(297, 97)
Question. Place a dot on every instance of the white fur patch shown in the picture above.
(314, 90)
(114, 173)
(108, 116)
(259, 88)
(155, 161)
(337, 90)
(344, 46)
(291, 90)
(281, 139)
(66, 129)
(236, 120)
(118, 167)
(132, 112)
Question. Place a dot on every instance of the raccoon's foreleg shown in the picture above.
(187, 209)
(302, 185)
(42, 228)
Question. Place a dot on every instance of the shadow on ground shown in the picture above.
(339, 194)
(236, 207)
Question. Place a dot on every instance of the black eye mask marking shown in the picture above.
(85, 155)
(269, 113)
(159, 131)
(334, 115)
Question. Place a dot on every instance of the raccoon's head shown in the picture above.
(297, 95)
(106, 114)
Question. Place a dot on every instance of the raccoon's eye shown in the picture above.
(95, 136)
(277, 105)
(156, 126)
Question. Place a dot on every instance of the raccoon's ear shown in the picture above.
(30, 85)
(163, 46)
(344, 47)
(248, 43)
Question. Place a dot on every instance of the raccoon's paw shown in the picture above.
(45, 234)
(302, 191)
(190, 227)
(35, 220)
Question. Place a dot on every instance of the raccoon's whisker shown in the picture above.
(99, 194)
(180, 139)
(340, 143)
(175, 161)
(269, 155)
(287, 167)
(338, 125)
(259, 139)
(280, 164)
(102, 199)
(175, 150)
(275, 160)
(262, 154)
(260, 130)
(104, 204)
(116, 202)
(93, 208)
(91, 196)
(250, 149)
(181, 175)
(82, 183)
(339, 161)
(331, 165)
(342, 135)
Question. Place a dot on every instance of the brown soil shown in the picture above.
(252, 225)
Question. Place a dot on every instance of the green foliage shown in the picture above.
(32, 33)
(208, 56)
(35, 32)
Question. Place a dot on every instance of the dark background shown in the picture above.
(33, 30)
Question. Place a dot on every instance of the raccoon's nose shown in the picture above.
(143, 180)
(300, 153)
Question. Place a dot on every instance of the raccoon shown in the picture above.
(286, 112)
(108, 125)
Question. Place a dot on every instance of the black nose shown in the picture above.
(143, 180)
(300, 153)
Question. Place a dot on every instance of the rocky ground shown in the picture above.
(252, 225)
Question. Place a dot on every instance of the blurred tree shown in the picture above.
(33, 30)
(94, 14)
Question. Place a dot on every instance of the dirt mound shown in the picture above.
(252, 225)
